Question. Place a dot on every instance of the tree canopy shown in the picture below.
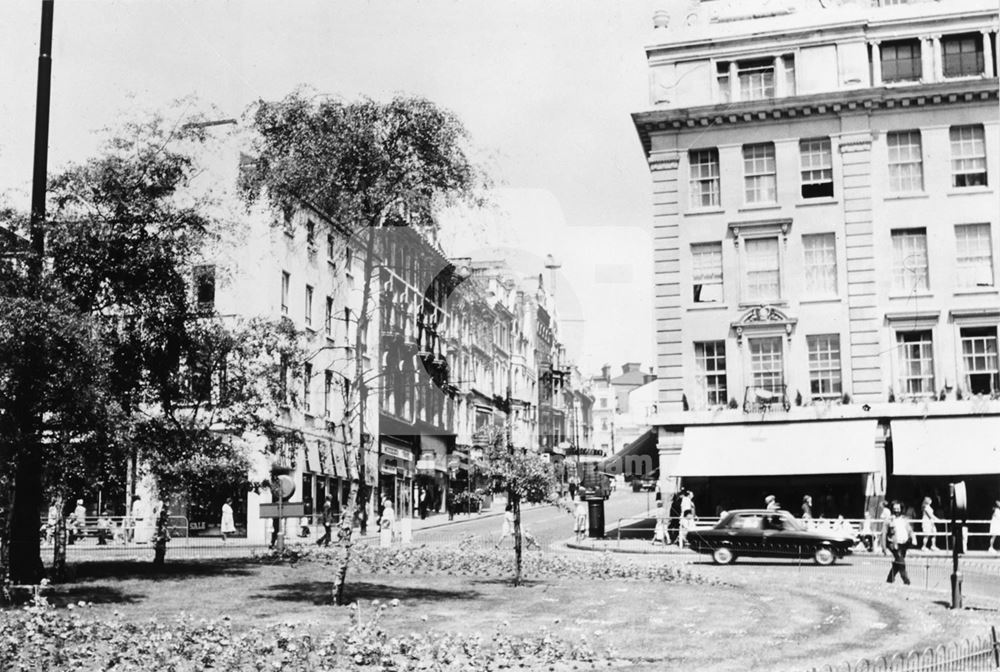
(362, 163)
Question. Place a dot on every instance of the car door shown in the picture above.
(783, 536)
(746, 534)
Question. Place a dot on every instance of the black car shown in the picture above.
(770, 534)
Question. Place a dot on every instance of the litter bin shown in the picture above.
(595, 511)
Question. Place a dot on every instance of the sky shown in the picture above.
(545, 89)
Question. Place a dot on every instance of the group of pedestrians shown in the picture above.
(674, 523)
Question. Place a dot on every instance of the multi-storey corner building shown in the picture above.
(826, 235)
(304, 269)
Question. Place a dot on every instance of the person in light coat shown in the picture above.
(228, 526)
(387, 525)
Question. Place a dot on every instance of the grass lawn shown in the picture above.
(647, 624)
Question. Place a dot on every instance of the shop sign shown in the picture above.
(389, 451)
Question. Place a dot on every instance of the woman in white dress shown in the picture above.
(927, 526)
(995, 527)
(142, 532)
(228, 525)
(387, 525)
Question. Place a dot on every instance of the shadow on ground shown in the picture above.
(61, 596)
(319, 593)
(178, 569)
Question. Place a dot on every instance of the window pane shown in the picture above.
(756, 79)
(915, 351)
(763, 272)
(824, 365)
(766, 364)
(901, 61)
(759, 173)
(820, 264)
(704, 183)
(706, 272)
(817, 168)
(974, 255)
(710, 359)
(968, 156)
(980, 360)
(906, 171)
(909, 260)
(963, 55)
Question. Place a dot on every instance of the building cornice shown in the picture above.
(834, 103)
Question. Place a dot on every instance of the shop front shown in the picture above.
(928, 454)
(840, 464)
(431, 488)
(396, 474)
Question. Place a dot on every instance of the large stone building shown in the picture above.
(826, 233)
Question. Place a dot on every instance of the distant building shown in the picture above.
(825, 238)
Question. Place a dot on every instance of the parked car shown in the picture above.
(641, 483)
(774, 534)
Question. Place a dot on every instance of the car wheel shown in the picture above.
(723, 556)
(824, 556)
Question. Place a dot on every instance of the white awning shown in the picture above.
(784, 449)
(312, 457)
(946, 446)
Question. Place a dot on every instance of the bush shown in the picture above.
(39, 637)
(423, 560)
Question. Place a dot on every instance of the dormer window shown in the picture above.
(756, 79)
(962, 55)
(901, 61)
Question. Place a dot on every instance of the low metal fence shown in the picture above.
(967, 655)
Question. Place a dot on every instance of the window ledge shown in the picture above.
(824, 299)
(311, 329)
(911, 296)
(781, 303)
(902, 197)
(976, 291)
(705, 211)
(965, 191)
(806, 202)
(762, 206)
(718, 305)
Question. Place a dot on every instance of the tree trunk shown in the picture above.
(25, 548)
(359, 492)
(516, 503)
(162, 536)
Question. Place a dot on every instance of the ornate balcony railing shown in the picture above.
(762, 399)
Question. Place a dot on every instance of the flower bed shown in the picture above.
(39, 637)
(444, 560)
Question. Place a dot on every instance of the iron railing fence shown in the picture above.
(967, 655)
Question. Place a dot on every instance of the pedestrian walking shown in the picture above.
(687, 502)
(927, 525)
(387, 525)
(227, 526)
(327, 519)
(867, 537)
(995, 527)
(507, 527)
(897, 537)
(883, 522)
(687, 524)
(140, 532)
(572, 488)
(79, 520)
(580, 520)
(807, 508)
(103, 528)
(422, 503)
(660, 530)
(50, 524)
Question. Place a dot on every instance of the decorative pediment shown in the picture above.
(764, 320)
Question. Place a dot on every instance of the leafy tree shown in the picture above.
(365, 165)
(121, 355)
(522, 475)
